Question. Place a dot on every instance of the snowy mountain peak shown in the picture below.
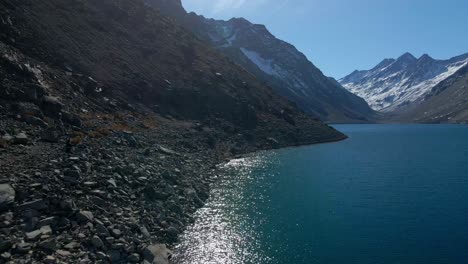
(393, 84)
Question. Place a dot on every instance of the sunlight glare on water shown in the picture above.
(221, 230)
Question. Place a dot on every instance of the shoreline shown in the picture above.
(111, 197)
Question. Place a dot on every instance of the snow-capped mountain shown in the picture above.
(447, 102)
(275, 62)
(393, 84)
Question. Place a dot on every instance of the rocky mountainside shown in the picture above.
(447, 102)
(394, 84)
(276, 62)
(112, 119)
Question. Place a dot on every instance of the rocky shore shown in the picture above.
(116, 197)
(104, 200)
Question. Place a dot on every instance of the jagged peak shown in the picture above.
(384, 63)
(407, 57)
(425, 56)
(240, 20)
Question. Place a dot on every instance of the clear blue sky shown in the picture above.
(340, 36)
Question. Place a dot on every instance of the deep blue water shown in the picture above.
(389, 194)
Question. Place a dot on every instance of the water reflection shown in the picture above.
(224, 231)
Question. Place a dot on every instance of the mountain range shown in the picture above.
(275, 62)
(398, 84)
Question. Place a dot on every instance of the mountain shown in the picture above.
(396, 83)
(137, 53)
(275, 62)
(112, 122)
(446, 102)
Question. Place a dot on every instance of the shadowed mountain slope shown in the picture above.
(275, 62)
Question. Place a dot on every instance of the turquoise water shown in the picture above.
(389, 194)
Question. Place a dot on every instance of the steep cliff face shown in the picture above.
(396, 84)
(277, 63)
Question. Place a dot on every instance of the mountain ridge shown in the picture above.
(396, 83)
(275, 62)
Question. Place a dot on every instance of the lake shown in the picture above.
(389, 194)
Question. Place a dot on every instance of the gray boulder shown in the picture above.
(157, 254)
(22, 139)
(7, 196)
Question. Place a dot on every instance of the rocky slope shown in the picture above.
(447, 102)
(112, 120)
(395, 84)
(276, 62)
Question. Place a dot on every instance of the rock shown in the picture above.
(5, 245)
(63, 253)
(73, 172)
(48, 245)
(68, 205)
(35, 121)
(36, 205)
(101, 230)
(112, 183)
(116, 233)
(172, 232)
(166, 151)
(114, 256)
(157, 254)
(110, 240)
(26, 109)
(72, 245)
(7, 138)
(6, 256)
(46, 230)
(50, 260)
(23, 248)
(34, 235)
(7, 197)
(84, 216)
(144, 231)
(101, 255)
(21, 138)
(49, 221)
(50, 135)
(51, 106)
(3, 143)
(153, 194)
(133, 258)
(72, 175)
(97, 242)
(71, 119)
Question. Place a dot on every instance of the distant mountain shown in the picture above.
(275, 62)
(447, 102)
(396, 83)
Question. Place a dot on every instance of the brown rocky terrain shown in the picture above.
(112, 121)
